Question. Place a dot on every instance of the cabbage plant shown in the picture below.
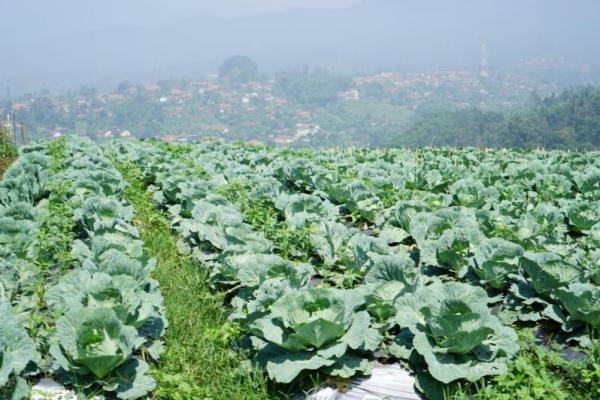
(582, 303)
(496, 259)
(548, 271)
(92, 347)
(136, 304)
(583, 215)
(363, 203)
(312, 329)
(470, 192)
(304, 209)
(17, 354)
(453, 332)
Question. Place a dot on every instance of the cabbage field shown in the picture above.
(326, 262)
(77, 299)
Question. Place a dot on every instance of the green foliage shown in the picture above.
(238, 69)
(7, 148)
(201, 365)
(568, 120)
(539, 373)
(455, 333)
(317, 88)
(467, 246)
(311, 329)
(17, 354)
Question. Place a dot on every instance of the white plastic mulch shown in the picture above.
(387, 382)
(48, 389)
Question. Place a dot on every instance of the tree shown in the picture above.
(318, 88)
(238, 69)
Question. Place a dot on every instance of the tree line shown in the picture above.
(570, 120)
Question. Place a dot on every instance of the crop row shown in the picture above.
(412, 299)
(523, 225)
(75, 278)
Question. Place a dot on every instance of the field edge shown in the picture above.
(198, 362)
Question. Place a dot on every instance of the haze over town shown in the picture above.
(64, 44)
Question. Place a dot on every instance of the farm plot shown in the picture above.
(76, 298)
(443, 261)
(432, 258)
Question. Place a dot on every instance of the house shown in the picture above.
(152, 87)
(282, 139)
(180, 94)
(303, 130)
(169, 138)
(112, 98)
(350, 95)
(304, 114)
(20, 106)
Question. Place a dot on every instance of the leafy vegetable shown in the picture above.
(93, 346)
(17, 354)
(455, 333)
(313, 328)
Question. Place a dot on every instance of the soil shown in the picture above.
(4, 164)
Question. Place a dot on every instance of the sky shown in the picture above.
(29, 20)
(63, 44)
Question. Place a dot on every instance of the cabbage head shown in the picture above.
(92, 347)
(454, 333)
(93, 340)
(313, 329)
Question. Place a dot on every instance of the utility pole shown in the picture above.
(23, 134)
(484, 71)
(14, 131)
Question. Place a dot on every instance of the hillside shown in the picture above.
(319, 109)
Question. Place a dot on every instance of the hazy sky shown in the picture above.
(225, 8)
(26, 18)
(65, 43)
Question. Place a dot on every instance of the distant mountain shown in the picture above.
(370, 35)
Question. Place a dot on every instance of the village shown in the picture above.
(256, 111)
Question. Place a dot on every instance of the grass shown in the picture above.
(199, 362)
(537, 373)
(5, 162)
(292, 244)
(8, 154)
(55, 237)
